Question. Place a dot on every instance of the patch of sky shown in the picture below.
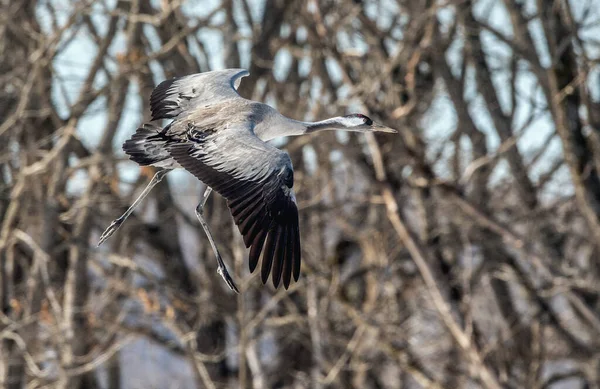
(198, 8)
(497, 52)
(530, 98)
(209, 37)
(100, 18)
(336, 157)
(152, 37)
(91, 125)
(79, 180)
(589, 37)
(481, 117)
(128, 173)
(269, 98)
(71, 67)
(594, 83)
(343, 93)
(342, 39)
(213, 44)
(466, 150)
(309, 155)
(529, 7)
(131, 120)
(438, 124)
(257, 9)
(455, 54)
(352, 44)
(316, 96)
(495, 14)
(440, 119)
(498, 59)
(260, 87)
(499, 172)
(157, 72)
(301, 34)
(180, 178)
(245, 30)
(587, 16)
(534, 133)
(334, 70)
(355, 106)
(304, 66)
(539, 40)
(446, 17)
(63, 10)
(60, 97)
(219, 18)
(245, 49)
(195, 51)
(282, 64)
(342, 137)
(285, 30)
(391, 42)
(560, 187)
(382, 12)
(553, 152)
(44, 19)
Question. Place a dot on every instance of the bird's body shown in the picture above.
(220, 138)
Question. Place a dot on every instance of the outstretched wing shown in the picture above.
(256, 179)
(176, 95)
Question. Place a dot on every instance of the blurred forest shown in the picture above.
(461, 253)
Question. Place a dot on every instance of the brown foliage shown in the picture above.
(461, 253)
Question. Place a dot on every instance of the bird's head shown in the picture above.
(361, 123)
(355, 122)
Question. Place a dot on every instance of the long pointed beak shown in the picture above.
(381, 128)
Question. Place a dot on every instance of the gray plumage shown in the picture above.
(219, 137)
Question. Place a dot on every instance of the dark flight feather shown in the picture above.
(256, 179)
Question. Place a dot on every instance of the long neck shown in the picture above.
(327, 124)
(291, 127)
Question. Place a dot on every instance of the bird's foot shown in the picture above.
(222, 270)
(114, 226)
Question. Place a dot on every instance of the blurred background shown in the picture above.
(462, 252)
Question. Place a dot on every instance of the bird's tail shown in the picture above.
(147, 146)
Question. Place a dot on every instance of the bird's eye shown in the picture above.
(365, 119)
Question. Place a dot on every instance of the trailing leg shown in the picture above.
(221, 268)
(114, 226)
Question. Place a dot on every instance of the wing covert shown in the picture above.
(176, 95)
(256, 179)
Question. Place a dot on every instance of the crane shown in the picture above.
(220, 138)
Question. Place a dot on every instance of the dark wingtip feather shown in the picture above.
(297, 253)
(250, 224)
(257, 227)
(159, 106)
(269, 252)
(237, 204)
(287, 259)
(146, 145)
(248, 215)
(257, 245)
(278, 258)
